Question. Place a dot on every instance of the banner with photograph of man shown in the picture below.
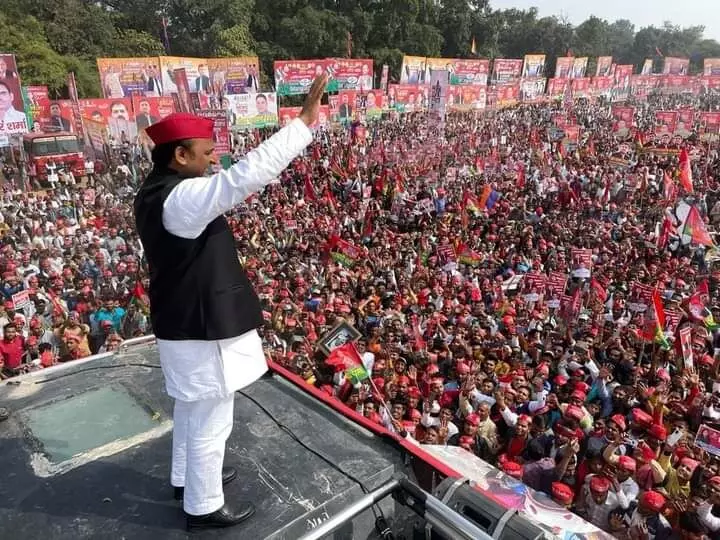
(37, 106)
(251, 111)
(709, 125)
(149, 110)
(413, 70)
(469, 72)
(665, 124)
(288, 114)
(582, 87)
(468, 97)
(294, 77)
(408, 97)
(711, 66)
(506, 70)
(221, 130)
(532, 90)
(579, 67)
(12, 110)
(676, 66)
(533, 66)
(125, 77)
(350, 74)
(556, 87)
(602, 86)
(507, 95)
(647, 68)
(60, 117)
(685, 123)
(197, 72)
(116, 114)
(96, 135)
(604, 66)
(563, 67)
(233, 75)
(623, 121)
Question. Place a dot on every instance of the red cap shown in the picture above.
(626, 463)
(562, 493)
(473, 419)
(582, 387)
(513, 469)
(561, 429)
(462, 367)
(641, 418)
(715, 480)
(646, 452)
(599, 484)
(179, 127)
(619, 421)
(414, 392)
(652, 500)
(657, 431)
(415, 414)
(689, 463)
(560, 380)
(402, 379)
(574, 413)
(467, 440)
(578, 394)
(32, 340)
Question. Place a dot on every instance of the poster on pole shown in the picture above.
(534, 65)
(623, 121)
(251, 111)
(506, 70)
(221, 131)
(12, 114)
(665, 124)
(579, 67)
(604, 66)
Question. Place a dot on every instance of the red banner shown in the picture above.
(149, 110)
(676, 66)
(709, 123)
(39, 99)
(506, 70)
(350, 74)
(60, 117)
(288, 114)
(507, 95)
(602, 85)
(556, 87)
(665, 123)
(467, 97)
(581, 87)
(710, 83)
(408, 97)
(470, 72)
(221, 131)
(563, 67)
(116, 114)
(604, 66)
(673, 84)
(622, 72)
(623, 117)
(294, 77)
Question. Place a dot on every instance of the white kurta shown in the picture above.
(196, 370)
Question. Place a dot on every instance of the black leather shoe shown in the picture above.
(228, 475)
(224, 517)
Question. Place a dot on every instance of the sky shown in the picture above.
(639, 12)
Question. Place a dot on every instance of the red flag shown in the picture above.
(310, 194)
(599, 290)
(520, 183)
(695, 228)
(347, 358)
(665, 230)
(685, 171)
(668, 187)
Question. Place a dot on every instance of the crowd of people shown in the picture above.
(505, 286)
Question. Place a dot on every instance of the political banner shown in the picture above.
(676, 66)
(711, 66)
(506, 70)
(60, 117)
(665, 123)
(37, 107)
(294, 77)
(149, 110)
(96, 135)
(533, 66)
(602, 86)
(710, 83)
(116, 114)
(563, 67)
(579, 67)
(571, 139)
(622, 121)
(250, 111)
(507, 94)
(581, 87)
(408, 97)
(642, 85)
(647, 68)
(197, 74)
(604, 66)
(350, 74)
(621, 88)
(288, 114)
(439, 84)
(709, 125)
(675, 84)
(532, 90)
(622, 72)
(413, 70)
(685, 123)
(231, 75)
(469, 72)
(467, 97)
(384, 76)
(12, 110)
(181, 95)
(221, 130)
(556, 87)
(125, 77)
(353, 104)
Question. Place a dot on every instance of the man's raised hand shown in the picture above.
(311, 107)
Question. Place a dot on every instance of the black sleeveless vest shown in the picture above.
(198, 289)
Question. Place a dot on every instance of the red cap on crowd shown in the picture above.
(627, 464)
(562, 493)
(462, 367)
(619, 421)
(641, 418)
(574, 412)
(180, 127)
(715, 481)
(561, 429)
(513, 469)
(689, 463)
(402, 379)
(658, 432)
(560, 380)
(652, 500)
(473, 419)
(646, 452)
(578, 394)
(599, 484)
(466, 440)
(414, 392)
(582, 387)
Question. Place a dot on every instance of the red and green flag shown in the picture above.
(347, 358)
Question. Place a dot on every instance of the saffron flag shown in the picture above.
(696, 230)
(473, 46)
(685, 171)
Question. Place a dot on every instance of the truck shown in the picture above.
(63, 149)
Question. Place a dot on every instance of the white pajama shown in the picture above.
(203, 376)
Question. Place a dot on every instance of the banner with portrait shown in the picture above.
(13, 120)
(533, 66)
(709, 125)
(221, 130)
(711, 66)
(149, 110)
(507, 95)
(572, 137)
(37, 106)
(623, 121)
(288, 114)
(581, 87)
(116, 114)
(579, 67)
(350, 74)
(563, 67)
(197, 75)
(251, 111)
(353, 104)
(602, 86)
(124, 77)
(96, 135)
(470, 72)
(556, 87)
(604, 66)
(467, 97)
(685, 123)
(643, 85)
(647, 68)
(60, 117)
(675, 84)
(413, 70)
(506, 70)
(710, 83)
(676, 66)
(665, 124)
(438, 98)
(294, 77)
(532, 90)
(233, 75)
(408, 97)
